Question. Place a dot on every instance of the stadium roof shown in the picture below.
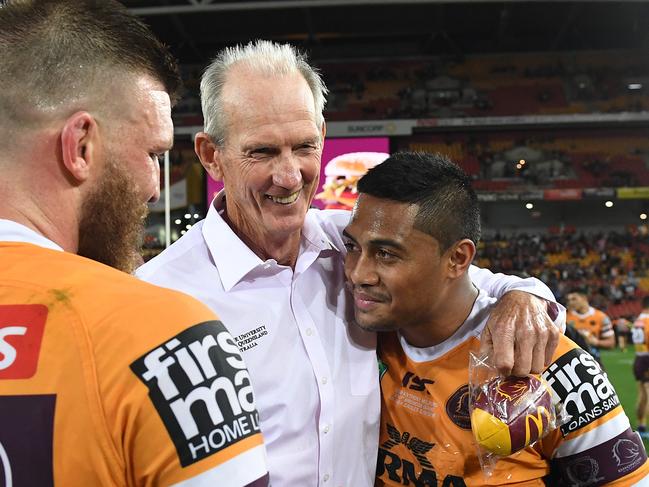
(343, 29)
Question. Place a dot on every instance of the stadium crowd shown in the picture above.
(611, 267)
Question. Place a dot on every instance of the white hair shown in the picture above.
(264, 57)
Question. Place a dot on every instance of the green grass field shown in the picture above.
(619, 367)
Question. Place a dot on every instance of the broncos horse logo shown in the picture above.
(514, 390)
(418, 447)
(626, 452)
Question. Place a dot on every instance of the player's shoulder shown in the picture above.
(565, 346)
(100, 292)
(189, 248)
(601, 314)
(138, 298)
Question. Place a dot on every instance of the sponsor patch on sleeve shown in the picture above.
(201, 389)
(582, 386)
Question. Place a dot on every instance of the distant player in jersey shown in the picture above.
(622, 327)
(593, 324)
(104, 380)
(640, 338)
(411, 238)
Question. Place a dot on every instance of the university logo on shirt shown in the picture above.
(199, 385)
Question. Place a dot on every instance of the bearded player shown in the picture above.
(411, 239)
(104, 380)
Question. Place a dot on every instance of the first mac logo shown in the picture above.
(201, 389)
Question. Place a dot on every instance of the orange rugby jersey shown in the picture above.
(107, 380)
(640, 334)
(426, 437)
(594, 321)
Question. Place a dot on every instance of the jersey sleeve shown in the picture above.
(638, 334)
(607, 327)
(596, 445)
(179, 401)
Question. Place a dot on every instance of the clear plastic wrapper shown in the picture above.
(508, 414)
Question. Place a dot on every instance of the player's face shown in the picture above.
(143, 132)
(575, 302)
(270, 161)
(394, 271)
(113, 212)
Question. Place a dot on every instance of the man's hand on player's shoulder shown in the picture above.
(520, 338)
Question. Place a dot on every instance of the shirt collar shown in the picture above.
(313, 233)
(234, 260)
(472, 326)
(11, 231)
(591, 311)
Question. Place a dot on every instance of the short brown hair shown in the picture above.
(55, 52)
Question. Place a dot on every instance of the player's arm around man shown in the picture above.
(410, 242)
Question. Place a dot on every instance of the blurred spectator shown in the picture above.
(595, 326)
(622, 327)
(608, 266)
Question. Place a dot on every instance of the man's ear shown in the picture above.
(324, 130)
(460, 257)
(209, 154)
(78, 144)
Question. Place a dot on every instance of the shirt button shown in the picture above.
(326, 429)
(309, 332)
(326, 477)
(324, 380)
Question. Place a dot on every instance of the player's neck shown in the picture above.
(39, 218)
(453, 310)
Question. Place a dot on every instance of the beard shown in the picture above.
(111, 228)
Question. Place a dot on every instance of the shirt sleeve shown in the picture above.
(595, 445)
(179, 400)
(497, 284)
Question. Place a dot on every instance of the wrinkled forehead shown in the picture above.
(247, 93)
